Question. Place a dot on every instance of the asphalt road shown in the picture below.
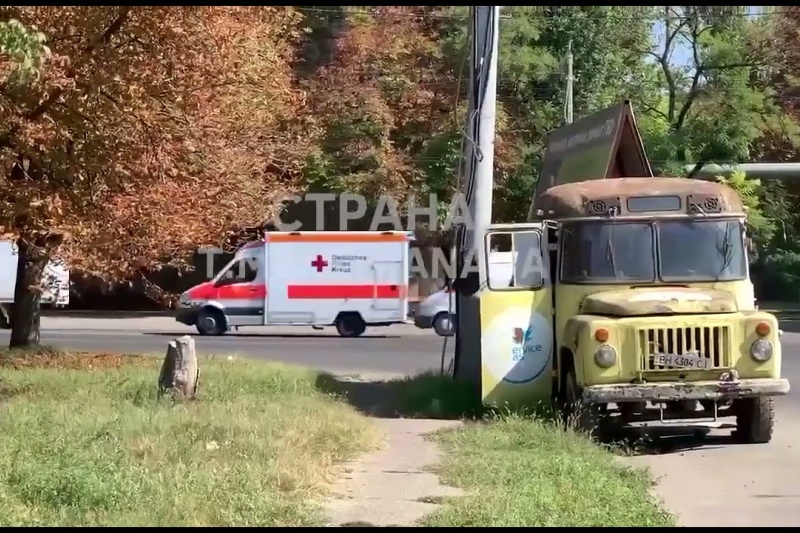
(393, 350)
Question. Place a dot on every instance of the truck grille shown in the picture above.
(710, 342)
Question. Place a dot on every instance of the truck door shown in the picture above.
(516, 316)
(388, 276)
(240, 289)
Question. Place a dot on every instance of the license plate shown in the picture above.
(694, 362)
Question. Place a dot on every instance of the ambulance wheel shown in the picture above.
(755, 420)
(210, 322)
(443, 324)
(350, 325)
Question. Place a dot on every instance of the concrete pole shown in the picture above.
(478, 186)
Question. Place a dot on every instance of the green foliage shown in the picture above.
(26, 49)
(609, 66)
(761, 228)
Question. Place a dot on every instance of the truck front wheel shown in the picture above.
(210, 322)
(755, 420)
(577, 413)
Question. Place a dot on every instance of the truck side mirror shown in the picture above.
(751, 246)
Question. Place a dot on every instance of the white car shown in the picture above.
(438, 310)
(435, 312)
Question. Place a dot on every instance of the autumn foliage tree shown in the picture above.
(381, 99)
(131, 135)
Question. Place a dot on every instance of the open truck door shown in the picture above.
(517, 317)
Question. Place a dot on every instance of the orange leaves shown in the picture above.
(151, 129)
(381, 99)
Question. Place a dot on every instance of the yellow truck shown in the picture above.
(631, 301)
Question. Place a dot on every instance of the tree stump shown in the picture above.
(180, 372)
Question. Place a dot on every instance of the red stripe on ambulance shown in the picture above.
(243, 291)
(338, 292)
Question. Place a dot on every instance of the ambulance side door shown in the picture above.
(294, 267)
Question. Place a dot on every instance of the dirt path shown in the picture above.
(391, 487)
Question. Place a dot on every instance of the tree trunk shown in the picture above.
(25, 312)
(180, 372)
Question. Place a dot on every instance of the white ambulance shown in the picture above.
(350, 280)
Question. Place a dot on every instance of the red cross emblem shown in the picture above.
(319, 263)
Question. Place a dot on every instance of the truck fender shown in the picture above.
(573, 331)
(215, 304)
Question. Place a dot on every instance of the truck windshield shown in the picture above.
(687, 250)
(597, 252)
(701, 250)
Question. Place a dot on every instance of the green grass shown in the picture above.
(519, 471)
(86, 442)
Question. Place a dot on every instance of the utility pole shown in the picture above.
(477, 188)
(570, 79)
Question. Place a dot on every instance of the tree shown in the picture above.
(382, 100)
(147, 132)
(713, 108)
(607, 44)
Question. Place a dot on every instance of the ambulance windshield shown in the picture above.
(243, 270)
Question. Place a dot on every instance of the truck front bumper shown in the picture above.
(423, 322)
(186, 315)
(696, 390)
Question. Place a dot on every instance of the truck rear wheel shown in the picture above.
(350, 325)
(755, 420)
(210, 322)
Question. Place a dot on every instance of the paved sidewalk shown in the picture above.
(392, 487)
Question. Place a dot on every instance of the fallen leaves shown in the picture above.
(52, 358)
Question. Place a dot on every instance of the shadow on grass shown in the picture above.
(429, 395)
(435, 396)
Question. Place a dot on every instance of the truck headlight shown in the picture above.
(605, 356)
(761, 350)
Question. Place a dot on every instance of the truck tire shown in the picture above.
(443, 324)
(350, 325)
(576, 413)
(755, 420)
(210, 322)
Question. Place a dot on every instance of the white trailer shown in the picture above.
(55, 282)
(346, 279)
